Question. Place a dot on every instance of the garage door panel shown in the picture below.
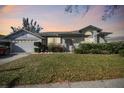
(26, 46)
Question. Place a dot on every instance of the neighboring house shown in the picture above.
(23, 40)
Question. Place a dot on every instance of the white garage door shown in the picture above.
(23, 46)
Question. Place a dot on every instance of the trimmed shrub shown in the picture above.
(121, 52)
(81, 51)
(55, 48)
(77, 51)
(95, 51)
(102, 48)
(105, 52)
(114, 47)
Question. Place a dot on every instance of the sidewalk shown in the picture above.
(113, 83)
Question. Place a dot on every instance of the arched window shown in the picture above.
(88, 37)
(88, 33)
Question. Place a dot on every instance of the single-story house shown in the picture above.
(23, 40)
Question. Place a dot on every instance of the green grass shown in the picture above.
(35, 69)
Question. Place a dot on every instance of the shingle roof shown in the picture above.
(104, 33)
(35, 34)
(56, 34)
(77, 33)
(90, 27)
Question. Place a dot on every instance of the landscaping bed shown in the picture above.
(51, 68)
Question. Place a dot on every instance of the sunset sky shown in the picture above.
(54, 18)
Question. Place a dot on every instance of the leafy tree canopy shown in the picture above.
(109, 10)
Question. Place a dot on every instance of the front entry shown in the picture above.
(69, 45)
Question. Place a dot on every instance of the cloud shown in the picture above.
(6, 23)
(7, 9)
(53, 18)
(11, 10)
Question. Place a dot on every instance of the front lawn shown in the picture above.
(50, 68)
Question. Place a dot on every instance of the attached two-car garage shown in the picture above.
(23, 41)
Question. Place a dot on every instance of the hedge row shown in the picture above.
(121, 52)
(55, 48)
(50, 48)
(103, 48)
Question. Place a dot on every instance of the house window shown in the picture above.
(88, 33)
(54, 40)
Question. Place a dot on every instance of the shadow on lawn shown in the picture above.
(11, 69)
(13, 83)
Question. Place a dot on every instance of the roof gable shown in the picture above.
(23, 30)
(90, 27)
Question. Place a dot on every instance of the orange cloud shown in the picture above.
(7, 9)
(6, 23)
(57, 21)
(11, 10)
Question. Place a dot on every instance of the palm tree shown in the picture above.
(34, 27)
(30, 26)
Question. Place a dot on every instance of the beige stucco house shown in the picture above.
(23, 40)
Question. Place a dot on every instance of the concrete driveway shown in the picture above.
(11, 57)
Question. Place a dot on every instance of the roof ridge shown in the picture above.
(33, 33)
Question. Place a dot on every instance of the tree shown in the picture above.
(30, 26)
(109, 10)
